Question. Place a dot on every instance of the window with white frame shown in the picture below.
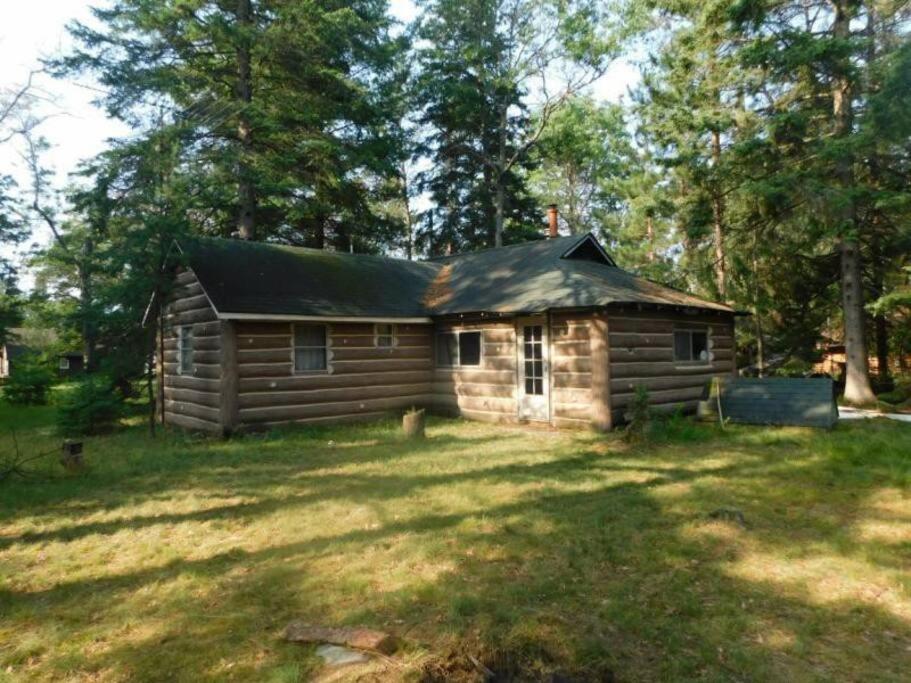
(384, 334)
(310, 348)
(64, 363)
(185, 350)
(691, 345)
(458, 349)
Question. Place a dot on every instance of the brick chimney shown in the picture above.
(552, 221)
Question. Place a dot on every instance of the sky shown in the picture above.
(77, 129)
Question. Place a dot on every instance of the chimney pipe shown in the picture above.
(552, 221)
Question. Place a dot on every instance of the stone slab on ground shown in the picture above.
(357, 638)
(337, 655)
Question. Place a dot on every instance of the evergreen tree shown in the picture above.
(279, 106)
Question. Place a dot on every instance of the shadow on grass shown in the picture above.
(581, 571)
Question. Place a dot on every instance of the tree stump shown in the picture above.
(413, 424)
(71, 455)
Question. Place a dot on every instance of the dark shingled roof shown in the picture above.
(566, 272)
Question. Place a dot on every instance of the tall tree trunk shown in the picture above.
(857, 383)
(718, 220)
(650, 236)
(246, 192)
(500, 196)
(409, 219)
(86, 293)
(877, 255)
(880, 327)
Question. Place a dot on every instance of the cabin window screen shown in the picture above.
(310, 348)
(185, 350)
(458, 349)
(384, 335)
(691, 345)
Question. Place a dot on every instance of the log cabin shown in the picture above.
(552, 331)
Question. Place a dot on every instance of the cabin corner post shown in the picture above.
(228, 407)
(601, 416)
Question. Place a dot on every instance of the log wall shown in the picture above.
(362, 381)
(487, 391)
(642, 353)
(571, 369)
(192, 400)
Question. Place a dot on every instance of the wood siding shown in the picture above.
(362, 381)
(571, 370)
(642, 353)
(192, 400)
(487, 391)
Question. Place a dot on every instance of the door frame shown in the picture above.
(542, 319)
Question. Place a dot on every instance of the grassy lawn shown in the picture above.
(533, 551)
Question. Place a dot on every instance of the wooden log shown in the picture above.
(357, 638)
(255, 327)
(196, 410)
(576, 411)
(571, 349)
(639, 340)
(624, 354)
(600, 412)
(275, 341)
(474, 375)
(490, 404)
(265, 369)
(192, 423)
(342, 367)
(327, 381)
(629, 384)
(569, 333)
(194, 383)
(197, 315)
(623, 370)
(189, 303)
(203, 398)
(229, 410)
(254, 356)
(658, 397)
(571, 423)
(263, 399)
(571, 395)
(294, 413)
(470, 389)
(572, 380)
(395, 352)
(574, 365)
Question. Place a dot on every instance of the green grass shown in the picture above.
(533, 551)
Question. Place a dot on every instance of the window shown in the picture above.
(64, 363)
(448, 349)
(533, 343)
(384, 334)
(691, 345)
(309, 348)
(458, 349)
(185, 350)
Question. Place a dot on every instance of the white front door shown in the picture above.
(534, 369)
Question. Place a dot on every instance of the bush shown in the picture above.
(28, 384)
(893, 397)
(639, 416)
(92, 407)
